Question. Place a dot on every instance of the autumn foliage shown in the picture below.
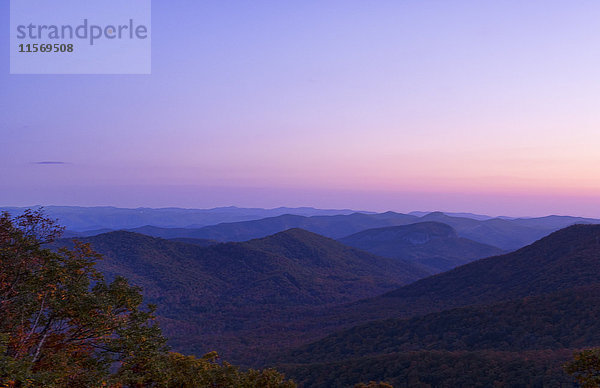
(63, 324)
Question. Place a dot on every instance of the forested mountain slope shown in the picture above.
(563, 260)
(209, 295)
(511, 319)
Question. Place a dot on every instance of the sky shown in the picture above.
(479, 106)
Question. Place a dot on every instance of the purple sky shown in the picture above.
(489, 107)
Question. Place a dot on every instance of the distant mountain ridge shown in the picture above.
(480, 217)
(79, 219)
(433, 245)
(330, 226)
(506, 234)
(228, 224)
(221, 223)
(554, 222)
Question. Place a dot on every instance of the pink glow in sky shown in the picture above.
(488, 107)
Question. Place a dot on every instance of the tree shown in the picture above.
(62, 324)
(373, 384)
(189, 371)
(585, 368)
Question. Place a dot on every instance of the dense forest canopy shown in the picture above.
(62, 324)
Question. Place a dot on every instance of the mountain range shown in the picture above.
(540, 301)
(101, 219)
(214, 294)
(330, 226)
(433, 245)
(365, 307)
(505, 234)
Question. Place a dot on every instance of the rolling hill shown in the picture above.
(434, 245)
(563, 260)
(331, 226)
(562, 320)
(540, 301)
(237, 297)
(334, 226)
(501, 233)
(506, 234)
(252, 299)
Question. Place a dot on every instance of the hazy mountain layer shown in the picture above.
(434, 245)
(502, 233)
(100, 218)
